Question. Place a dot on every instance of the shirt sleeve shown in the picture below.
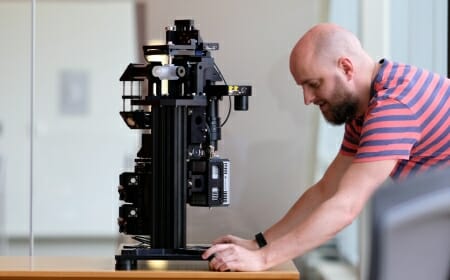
(350, 142)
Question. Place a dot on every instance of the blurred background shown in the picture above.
(58, 183)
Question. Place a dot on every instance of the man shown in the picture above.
(396, 124)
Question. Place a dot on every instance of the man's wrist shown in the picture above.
(260, 240)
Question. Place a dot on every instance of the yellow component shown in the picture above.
(233, 88)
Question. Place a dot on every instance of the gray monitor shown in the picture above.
(410, 224)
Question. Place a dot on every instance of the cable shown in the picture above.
(220, 73)
(229, 112)
(229, 97)
(145, 241)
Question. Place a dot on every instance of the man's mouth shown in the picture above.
(321, 104)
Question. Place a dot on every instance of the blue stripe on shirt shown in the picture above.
(438, 125)
(430, 99)
(388, 142)
(391, 130)
(389, 107)
(346, 149)
(444, 147)
(351, 140)
(392, 74)
(383, 153)
(411, 84)
(391, 119)
(422, 90)
(401, 79)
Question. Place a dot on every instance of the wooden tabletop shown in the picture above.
(103, 268)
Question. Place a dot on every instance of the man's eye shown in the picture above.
(314, 85)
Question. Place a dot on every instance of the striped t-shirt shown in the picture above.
(407, 120)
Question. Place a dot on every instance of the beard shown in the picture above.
(341, 110)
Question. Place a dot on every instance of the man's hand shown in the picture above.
(232, 257)
(248, 244)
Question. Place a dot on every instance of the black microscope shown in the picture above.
(178, 161)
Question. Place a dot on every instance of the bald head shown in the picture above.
(333, 71)
(324, 44)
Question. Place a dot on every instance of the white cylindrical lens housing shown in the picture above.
(168, 72)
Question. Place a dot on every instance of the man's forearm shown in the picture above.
(356, 186)
(313, 230)
(309, 201)
(304, 206)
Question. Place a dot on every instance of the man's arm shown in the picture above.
(311, 199)
(307, 202)
(356, 186)
(354, 190)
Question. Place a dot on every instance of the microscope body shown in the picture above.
(177, 163)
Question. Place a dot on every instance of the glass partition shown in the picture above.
(79, 142)
(15, 92)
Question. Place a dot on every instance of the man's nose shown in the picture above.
(308, 97)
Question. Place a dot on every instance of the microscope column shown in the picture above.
(168, 225)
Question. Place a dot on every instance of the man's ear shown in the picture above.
(346, 65)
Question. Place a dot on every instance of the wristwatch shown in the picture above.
(260, 240)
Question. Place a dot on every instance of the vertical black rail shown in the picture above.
(169, 169)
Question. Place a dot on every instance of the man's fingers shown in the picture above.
(232, 257)
(214, 249)
(223, 258)
(230, 266)
(221, 264)
(226, 255)
(219, 240)
(208, 253)
(223, 267)
(223, 239)
(226, 265)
